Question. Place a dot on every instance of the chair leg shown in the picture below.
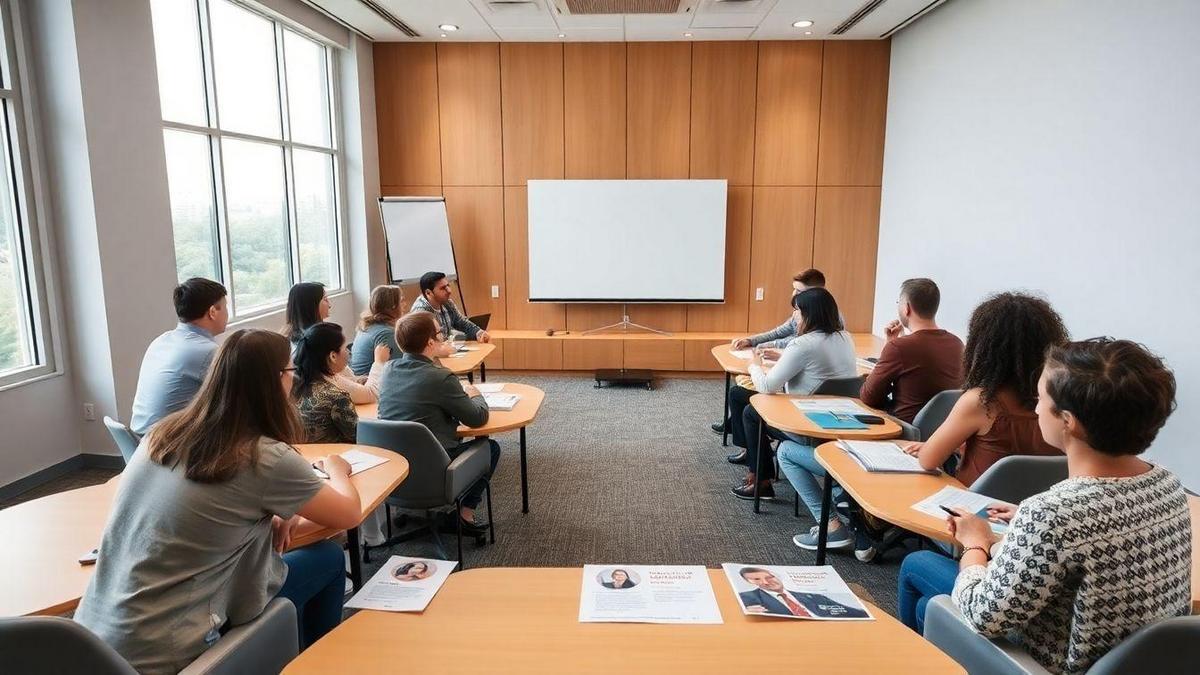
(458, 521)
(796, 506)
(487, 490)
(387, 514)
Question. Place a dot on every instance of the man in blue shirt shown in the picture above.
(177, 361)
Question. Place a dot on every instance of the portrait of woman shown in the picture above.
(413, 571)
(618, 579)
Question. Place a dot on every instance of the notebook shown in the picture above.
(833, 420)
(882, 457)
(500, 401)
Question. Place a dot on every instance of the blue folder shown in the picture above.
(827, 420)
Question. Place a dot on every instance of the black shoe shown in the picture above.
(468, 529)
(737, 457)
(765, 491)
(718, 428)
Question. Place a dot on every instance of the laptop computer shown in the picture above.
(480, 320)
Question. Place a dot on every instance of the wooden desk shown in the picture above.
(526, 620)
(46, 536)
(470, 360)
(499, 421)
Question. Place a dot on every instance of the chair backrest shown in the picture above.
(1017, 477)
(265, 645)
(425, 486)
(841, 386)
(931, 416)
(49, 645)
(127, 443)
(1171, 646)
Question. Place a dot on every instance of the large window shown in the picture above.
(24, 323)
(252, 160)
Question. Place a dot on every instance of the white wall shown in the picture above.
(1054, 146)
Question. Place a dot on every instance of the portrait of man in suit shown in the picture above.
(771, 597)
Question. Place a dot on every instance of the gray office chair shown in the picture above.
(51, 645)
(1017, 477)
(434, 483)
(1166, 647)
(931, 416)
(841, 386)
(125, 439)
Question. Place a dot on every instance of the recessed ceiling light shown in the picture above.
(443, 35)
(808, 32)
(804, 23)
(562, 35)
(687, 35)
(448, 27)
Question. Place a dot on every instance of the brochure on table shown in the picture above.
(841, 406)
(358, 460)
(403, 584)
(647, 594)
(813, 593)
(958, 499)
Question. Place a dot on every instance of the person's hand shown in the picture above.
(483, 337)
(445, 349)
(1001, 513)
(334, 465)
(893, 330)
(970, 530)
(281, 532)
(756, 609)
(913, 448)
(471, 390)
(739, 343)
(383, 353)
(769, 354)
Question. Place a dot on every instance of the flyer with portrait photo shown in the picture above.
(647, 594)
(403, 585)
(814, 593)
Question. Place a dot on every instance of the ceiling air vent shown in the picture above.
(622, 6)
(390, 18)
(514, 7)
(857, 16)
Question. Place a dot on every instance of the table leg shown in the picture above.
(823, 531)
(482, 372)
(524, 476)
(355, 557)
(758, 460)
(471, 376)
(725, 414)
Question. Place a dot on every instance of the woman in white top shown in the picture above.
(822, 350)
(308, 304)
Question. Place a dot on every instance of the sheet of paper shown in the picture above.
(403, 585)
(744, 354)
(487, 388)
(844, 406)
(882, 456)
(958, 499)
(455, 355)
(501, 401)
(647, 594)
(361, 461)
(865, 364)
(813, 593)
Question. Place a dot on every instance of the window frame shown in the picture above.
(215, 135)
(31, 246)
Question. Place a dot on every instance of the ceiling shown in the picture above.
(553, 21)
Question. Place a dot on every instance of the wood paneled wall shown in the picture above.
(795, 127)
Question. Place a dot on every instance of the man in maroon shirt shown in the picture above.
(913, 368)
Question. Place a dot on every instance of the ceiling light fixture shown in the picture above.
(687, 35)
(808, 32)
(448, 27)
(804, 23)
(562, 35)
(443, 35)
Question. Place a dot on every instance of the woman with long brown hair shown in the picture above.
(377, 326)
(204, 511)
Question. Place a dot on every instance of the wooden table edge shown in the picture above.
(889, 430)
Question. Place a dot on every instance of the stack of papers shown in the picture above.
(958, 499)
(502, 402)
(745, 354)
(882, 457)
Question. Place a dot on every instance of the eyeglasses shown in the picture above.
(289, 369)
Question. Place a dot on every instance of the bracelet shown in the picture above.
(987, 554)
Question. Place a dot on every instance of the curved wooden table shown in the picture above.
(46, 536)
(526, 620)
(499, 421)
(468, 361)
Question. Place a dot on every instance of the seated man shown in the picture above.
(415, 388)
(772, 597)
(913, 368)
(176, 361)
(435, 299)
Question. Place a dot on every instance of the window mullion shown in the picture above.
(289, 173)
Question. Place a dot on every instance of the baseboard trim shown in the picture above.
(39, 478)
(94, 461)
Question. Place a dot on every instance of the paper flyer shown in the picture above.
(957, 499)
(647, 594)
(403, 584)
(813, 593)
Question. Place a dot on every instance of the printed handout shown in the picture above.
(647, 594)
(403, 584)
(842, 406)
(815, 593)
(358, 460)
(957, 499)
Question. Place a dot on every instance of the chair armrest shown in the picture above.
(466, 469)
(264, 645)
(946, 628)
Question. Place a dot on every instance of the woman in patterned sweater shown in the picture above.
(1099, 555)
(326, 408)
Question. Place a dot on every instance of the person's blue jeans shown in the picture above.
(923, 575)
(799, 463)
(316, 585)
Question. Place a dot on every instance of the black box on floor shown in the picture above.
(623, 376)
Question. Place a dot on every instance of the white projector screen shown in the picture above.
(417, 234)
(627, 240)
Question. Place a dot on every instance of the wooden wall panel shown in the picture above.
(586, 316)
(658, 109)
(723, 100)
(854, 84)
(845, 247)
(477, 231)
(521, 312)
(734, 313)
(592, 354)
(594, 109)
(697, 355)
(533, 354)
(469, 105)
(406, 114)
(788, 115)
(531, 95)
(496, 358)
(654, 354)
(671, 318)
(782, 245)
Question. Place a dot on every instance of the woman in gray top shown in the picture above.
(206, 507)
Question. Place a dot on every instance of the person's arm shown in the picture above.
(790, 363)
(879, 384)
(344, 418)
(288, 486)
(337, 504)
(359, 393)
(460, 322)
(781, 332)
(966, 419)
(469, 410)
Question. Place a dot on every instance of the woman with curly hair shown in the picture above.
(1007, 339)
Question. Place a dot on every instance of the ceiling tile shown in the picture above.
(716, 14)
(535, 15)
(362, 18)
(825, 15)
(424, 16)
(571, 35)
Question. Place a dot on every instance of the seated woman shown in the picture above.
(308, 304)
(326, 410)
(1007, 338)
(204, 510)
(377, 326)
(822, 350)
(1099, 555)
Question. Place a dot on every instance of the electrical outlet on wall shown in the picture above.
(495, 291)
(758, 294)
(89, 412)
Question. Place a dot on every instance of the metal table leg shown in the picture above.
(482, 372)
(352, 541)
(524, 476)
(823, 531)
(725, 413)
(758, 460)
(471, 376)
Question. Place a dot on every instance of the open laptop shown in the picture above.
(480, 320)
